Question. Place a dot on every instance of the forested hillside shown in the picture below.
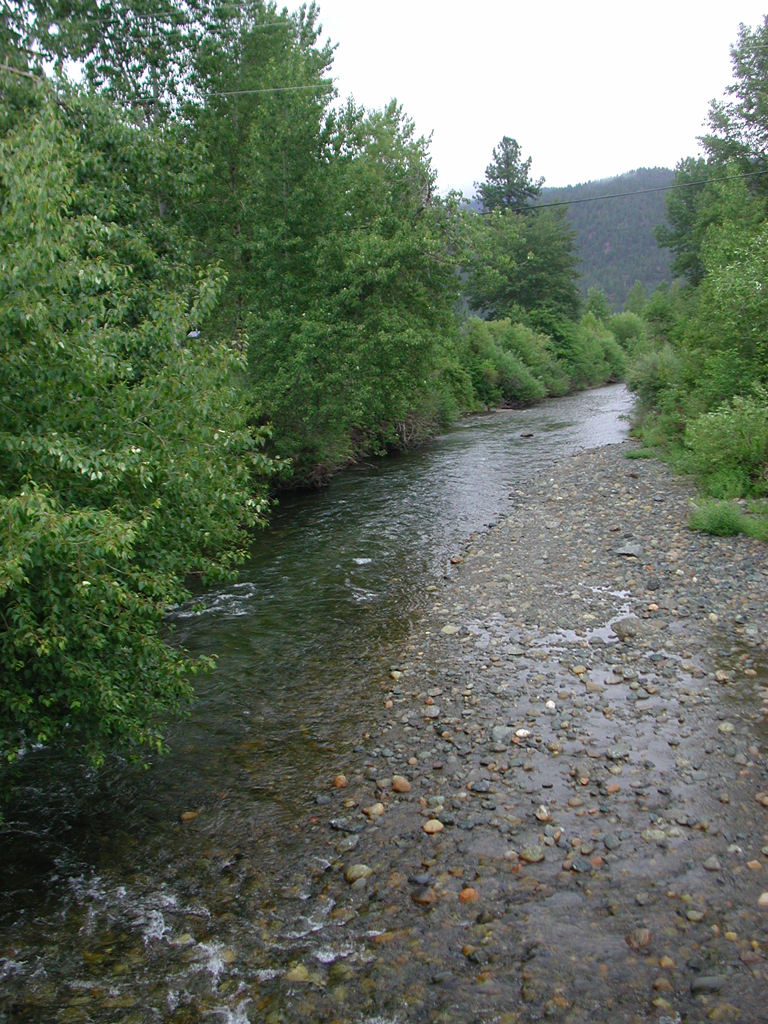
(615, 239)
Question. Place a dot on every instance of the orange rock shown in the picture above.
(433, 826)
(189, 815)
(613, 788)
(662, 984)
(340, 781)
(596, 861)
(639, 938)
(469, 894)
(400, 784)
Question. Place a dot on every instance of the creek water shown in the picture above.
(101, 880)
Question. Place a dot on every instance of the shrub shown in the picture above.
(628, 329)
(724, 519)
(728, 447)
(721, 518)
(654, 372)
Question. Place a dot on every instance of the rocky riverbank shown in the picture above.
(561, 811)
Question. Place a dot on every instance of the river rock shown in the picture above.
(356, 871)
(400, 784)
(624, 629)
(708, 983)
(433, 826)
(532, 854)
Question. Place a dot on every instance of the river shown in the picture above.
(101, 875)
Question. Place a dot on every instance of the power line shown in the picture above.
(277, 88)
(645, 191)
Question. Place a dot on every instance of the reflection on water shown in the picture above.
(301, 639)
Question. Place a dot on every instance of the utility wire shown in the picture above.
(645, 191)
(277, 88)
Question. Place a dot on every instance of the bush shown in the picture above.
(535, 351)
(720, 518)
(725, 519)
(595, 355)
(628, 329)
(654, 372)
(497, 375)
(728, 448)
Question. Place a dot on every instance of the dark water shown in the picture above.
(96, 873)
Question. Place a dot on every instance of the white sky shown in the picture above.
(589, 89)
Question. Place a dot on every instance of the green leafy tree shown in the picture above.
(522, 266)
(126, 461)
(739, 124)
(508, 184)
(636, 299)
(597, 304)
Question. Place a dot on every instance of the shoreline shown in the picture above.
(576, 720)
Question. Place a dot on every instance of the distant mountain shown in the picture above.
(615, 236)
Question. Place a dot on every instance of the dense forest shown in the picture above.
(615, 239)
(218, 276)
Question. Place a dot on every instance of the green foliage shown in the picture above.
(629, 329)
(654, 373)
(508, 184)
(636, 299)
(516, 265)
(125, 456)
(597, 304)
(725, 519)
(729, 446)
(509, 364)
(739, 125)
(594, 355)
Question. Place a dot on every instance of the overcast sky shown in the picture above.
(588, 89)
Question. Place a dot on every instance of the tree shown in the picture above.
(126, 460)
(597, 303)
(508, 184)
(522, 266)
(739, 126)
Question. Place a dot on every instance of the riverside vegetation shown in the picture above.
(699, 361)
(215, 276)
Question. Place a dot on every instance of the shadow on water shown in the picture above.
(301, 639)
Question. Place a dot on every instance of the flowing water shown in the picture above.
(102, 882)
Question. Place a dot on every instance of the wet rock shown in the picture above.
(357, 871)
(531, 854)
(347, 844)
(708, 983)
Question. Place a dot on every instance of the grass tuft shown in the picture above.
(725, 519)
